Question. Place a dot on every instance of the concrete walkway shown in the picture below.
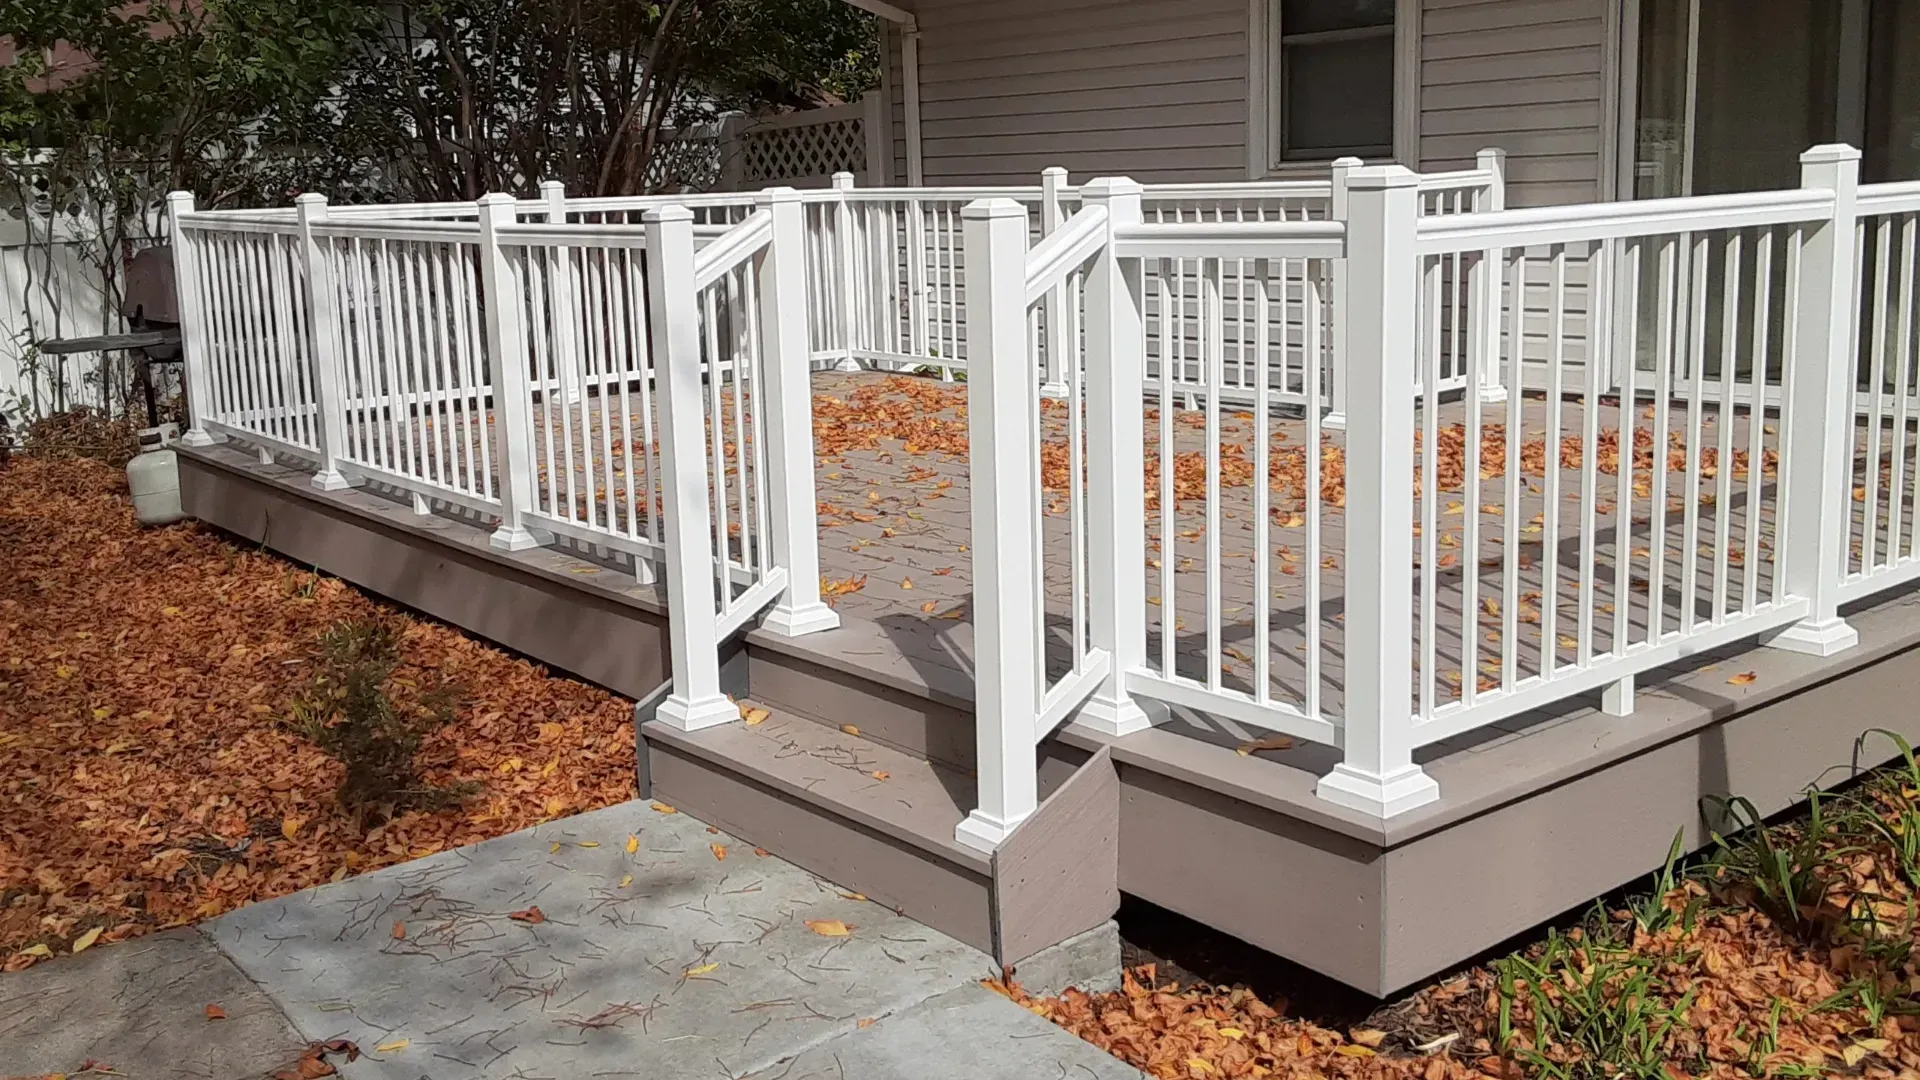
(665, 962)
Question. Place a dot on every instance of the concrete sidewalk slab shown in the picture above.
(140, 1007)
(970, 1033)
(696, 966)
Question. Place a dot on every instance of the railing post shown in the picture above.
(843, 270)
(1116, 468)
(323, 323)
(1485, 335)
(786, 371)
(1378, 775)
(1004, 462)
(1816, 474)
(1336, 417)
(512, 383)
(193, 342)
(693, 617)
(560, 303)
(1053, 376)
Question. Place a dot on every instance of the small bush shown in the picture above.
(349, 711)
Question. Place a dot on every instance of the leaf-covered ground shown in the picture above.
(146, 778)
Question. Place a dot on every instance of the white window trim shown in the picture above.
(1263, 61)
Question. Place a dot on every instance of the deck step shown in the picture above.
(866, 816)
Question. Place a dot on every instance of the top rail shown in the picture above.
(1050, 261)
(1619, 220)
(1900, 198)
(1234, 240)
(738, 245)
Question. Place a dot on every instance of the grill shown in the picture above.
(151, 307)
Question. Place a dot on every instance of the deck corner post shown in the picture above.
(323, 324)
(512, 382)
(844, 254)
(786, 382)
(693, 631)
(193, 342)
(1491, 278)
(1003, 461)
(564, 310)
(1053, 383)
(1815, 480)
(1116, 472)
(1377, 775)
(1336, 301)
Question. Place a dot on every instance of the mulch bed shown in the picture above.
(147, 778)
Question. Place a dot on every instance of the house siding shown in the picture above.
(1159, 91)
(1522, 75)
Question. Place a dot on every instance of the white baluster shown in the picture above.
(843, 311)
(1053, 374)
(1003, 462)
(1485, 333)
(694, 624)
(1815, 477)
(562, 302)
(1378, 775)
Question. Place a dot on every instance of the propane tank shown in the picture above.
(154, 477)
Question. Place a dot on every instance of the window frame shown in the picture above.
(1266, 83)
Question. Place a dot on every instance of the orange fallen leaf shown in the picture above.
(850, 729)
(829, 927)
(533, 916)
(399, 930)
(755, 716)
(762, 852)
(1745, 678)
(927, 608)
(719, 851)
(881, 774)
(1272, 742)
(663, 808)
(633, 843)
(215, 1012)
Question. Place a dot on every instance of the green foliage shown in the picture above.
(348, 710)
(1652, 912)
(1778, 870)
(1597, 1010)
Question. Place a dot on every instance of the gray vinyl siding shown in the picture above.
(1156, 91)
(1522, 75)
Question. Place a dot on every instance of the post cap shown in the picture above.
(495, 198)
(1055, 170)
(662, 214)
(175, 198)
(768, 196)
(1491, 153)
(552, 185)
(1110, 187)
(1348, 162)
(1382, 178)
(1829, 153)
(310, 198)
(985, 209)
(843, 179)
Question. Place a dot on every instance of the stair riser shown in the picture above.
(906, 722)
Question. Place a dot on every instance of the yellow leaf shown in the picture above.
(633, 843)
(85, 941)
(551, 765)
(393, 1047)
(927, 608)
(589, 843)
(1745, 678)
(881, 774)
(555, 849)
(1368, 1036)
(1233, 1033)
(1201, 1065)
(860, 897)
(702, 969)
(755, 717)
(719, 851)
(36, 950)
(1854, 1054)
(102, 714)
(829, 927)
(849, 729)
(556, 806)
(63, 671)
(906, 583)
(290, 827)
(169, 610)
(626, 881)
(663, 808)
(1354, 1051)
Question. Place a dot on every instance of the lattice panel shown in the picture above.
(773, 154)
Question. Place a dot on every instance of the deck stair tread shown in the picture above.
(908, 798)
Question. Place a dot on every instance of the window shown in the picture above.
(1329, 72)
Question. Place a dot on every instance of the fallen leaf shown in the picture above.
(755, 716)
(85, 941)
(866, 1022)
(40, 950)
(399, 930)
(1368, 1037)
(1351, 1050)
(663, 808)
(215, 1012)
(393, 1047)
(1272, 742)
(829, 927)
(927, 608)
(881, 774)
(626, 881)
(701, 970)
(906, 583)
(1745, 678)
(532, 916)
(633, 843)
(290, 827)
(762, 852)
(849, 729)
(858, 897)
(589, 843)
